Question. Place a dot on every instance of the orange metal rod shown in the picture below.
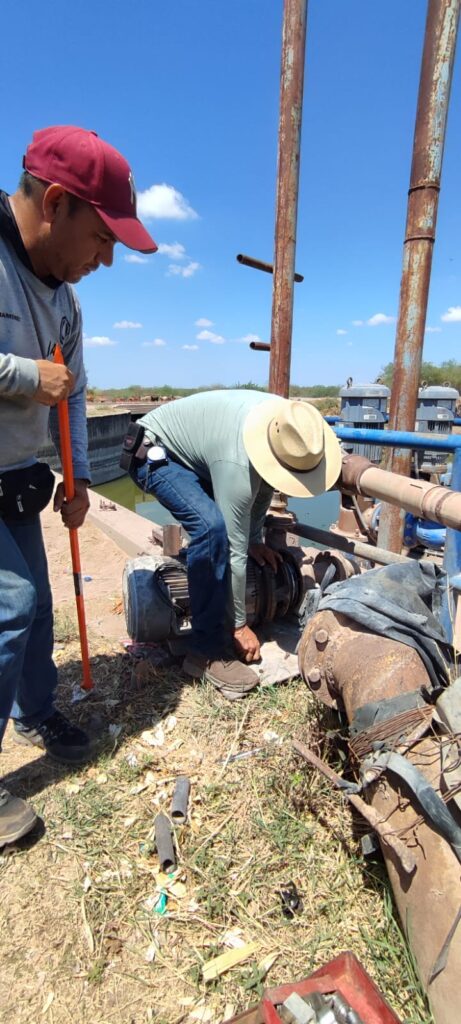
(69, 490)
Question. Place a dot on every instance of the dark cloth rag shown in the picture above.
(400, 601)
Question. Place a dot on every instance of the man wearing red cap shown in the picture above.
(75, 200)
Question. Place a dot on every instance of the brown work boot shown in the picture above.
(232, 678)
(16, 817)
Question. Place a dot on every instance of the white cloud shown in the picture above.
(452, 316)
(247, 338)
(156, 343)
(164, 202)
(203, 322)
(97, 342)
(349, 344)
(127, 325)
(190, 348)
(189, 271)
(340, 331)
(215, 339)
(433, 330)
(380, 318)
(131, 257)
(175, 251)
(357, 323)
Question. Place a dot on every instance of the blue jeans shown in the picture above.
(28, 675)
(184, 494)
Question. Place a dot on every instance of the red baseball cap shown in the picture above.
(93, 170)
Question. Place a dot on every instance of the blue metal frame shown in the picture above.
(337, 419)
(400, 438)
(450, 443)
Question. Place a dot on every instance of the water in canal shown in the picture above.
(319, 512)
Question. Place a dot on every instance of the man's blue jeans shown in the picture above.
(184, 494)
(27, 673)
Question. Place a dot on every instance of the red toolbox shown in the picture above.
(344, 974)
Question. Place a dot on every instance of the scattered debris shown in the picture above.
(78, 694)
(48, 1001)
(160, 905)
(213, 968)
(89, 937)
(154, 737)
(269, 736)
(203, 1014)
(150, 953)
(291, 900)
(240, 756)
(234, 938)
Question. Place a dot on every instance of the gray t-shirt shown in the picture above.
(33, 317)
(205, 433)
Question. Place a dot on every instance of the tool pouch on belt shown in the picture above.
(134, 447)
(25, 492)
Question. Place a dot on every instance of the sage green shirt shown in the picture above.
(204, 432)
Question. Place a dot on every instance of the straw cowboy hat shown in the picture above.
(292, 447)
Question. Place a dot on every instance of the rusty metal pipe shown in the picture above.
(434, 92)
(250, 261)
(420, 497)
(341, 543)
(289, 141)
(341, 661)
(260, 346)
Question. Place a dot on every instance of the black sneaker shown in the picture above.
(63, 741)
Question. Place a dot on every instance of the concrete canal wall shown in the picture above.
(105, 436)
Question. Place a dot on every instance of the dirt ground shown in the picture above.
(101, 560)
(84, 935)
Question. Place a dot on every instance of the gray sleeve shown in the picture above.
(18, 376)
(234, 496)
(72, 346)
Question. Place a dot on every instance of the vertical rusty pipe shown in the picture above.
(291, 101)
(423, 197)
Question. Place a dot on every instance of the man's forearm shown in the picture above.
(238, 583)
(78, 433)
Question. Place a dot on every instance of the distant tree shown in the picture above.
(314, 391)
(449, 372)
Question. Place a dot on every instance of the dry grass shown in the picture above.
(80, 939)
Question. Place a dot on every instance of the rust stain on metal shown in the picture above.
(353, 659)
(357, 668)
(291, 97)
(434, 91)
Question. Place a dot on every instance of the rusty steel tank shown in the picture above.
(346, 666)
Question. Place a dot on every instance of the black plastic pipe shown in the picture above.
(164, 843)
(180, 800)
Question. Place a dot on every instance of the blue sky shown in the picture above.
(189, 92)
